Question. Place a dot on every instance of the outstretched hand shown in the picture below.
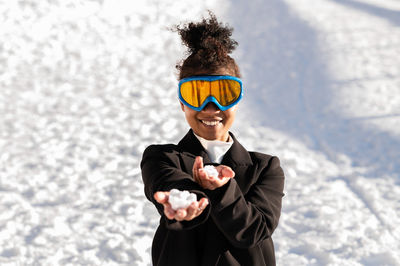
(183, 214)
(225, 173)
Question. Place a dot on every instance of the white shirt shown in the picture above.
(215, 149)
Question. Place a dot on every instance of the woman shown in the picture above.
(236, 212)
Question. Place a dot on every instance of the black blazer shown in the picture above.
(236, 227)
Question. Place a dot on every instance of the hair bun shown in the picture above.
(208, 37)
(209, 44)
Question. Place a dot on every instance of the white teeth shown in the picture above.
(210, 123)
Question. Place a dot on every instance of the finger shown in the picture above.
(223, 181)
(161, 197)
(198, 163)
(199, 160)
(227, 172)
(180, 214)
(192, 211)
(194, 171)
(196, 175)
(169, 212)
(203, 203)
(202, 174)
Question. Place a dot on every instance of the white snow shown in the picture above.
(85, 86)
(181, 199)
(211, 171)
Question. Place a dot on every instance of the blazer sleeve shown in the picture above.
(161, 171)
(246, 220)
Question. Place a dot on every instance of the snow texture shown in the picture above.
(211, 171)
(181, 199)
(85, 86)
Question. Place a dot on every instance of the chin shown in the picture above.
(213, 136)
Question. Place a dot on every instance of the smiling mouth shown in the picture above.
(211, 123)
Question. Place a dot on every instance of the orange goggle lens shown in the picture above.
(196, 91)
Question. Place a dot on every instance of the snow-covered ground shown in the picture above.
(85, 86)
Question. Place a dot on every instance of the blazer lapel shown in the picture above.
(237, 155)
(190, 148)
(238, 158)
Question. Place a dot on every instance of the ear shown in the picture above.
(182, 106)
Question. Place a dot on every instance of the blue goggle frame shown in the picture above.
(210, 98)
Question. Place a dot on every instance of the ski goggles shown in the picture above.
(197, 91)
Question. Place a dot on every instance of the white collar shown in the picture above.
(216, 149)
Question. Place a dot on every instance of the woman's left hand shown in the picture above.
(183, 214)
(225, 173)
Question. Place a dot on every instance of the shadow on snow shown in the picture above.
(393, 16)
(288, 87)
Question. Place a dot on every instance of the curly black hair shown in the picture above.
(210, 44)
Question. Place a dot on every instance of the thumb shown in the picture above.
(198, 164)
(161, 197)
(226, 171)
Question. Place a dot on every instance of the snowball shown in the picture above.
(211, 171)
(181, 199)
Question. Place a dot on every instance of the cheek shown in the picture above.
(190, 114)
(230, 114)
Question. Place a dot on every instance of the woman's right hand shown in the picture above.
(183, 214)
(225, 173)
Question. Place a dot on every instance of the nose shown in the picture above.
(211, 108)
